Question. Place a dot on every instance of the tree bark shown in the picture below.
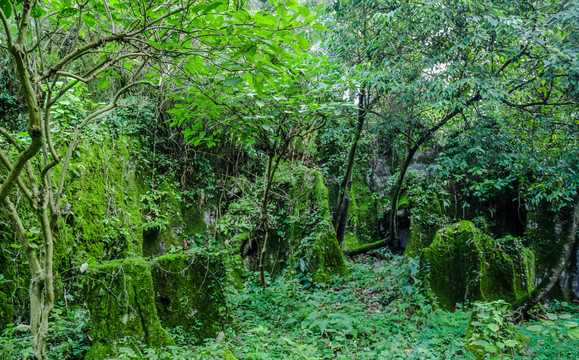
(270, 172)
(525, 303)
(343, 202)
(398, 190)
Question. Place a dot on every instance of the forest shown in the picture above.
(289, 179)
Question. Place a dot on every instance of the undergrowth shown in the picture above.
(378, 312)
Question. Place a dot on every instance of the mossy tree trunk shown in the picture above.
(343, 201)
(525, 303)
(273, 161)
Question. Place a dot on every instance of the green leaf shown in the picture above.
(511, 343)
(494, 327)
(103, 84)
(481, 343)
(68, 12)
(302, 42)
(233, 81)
(251, 52)
(260, 103)
(6, 8)
(535, 328)
(573, 333)
(37, 12)
(212, 7)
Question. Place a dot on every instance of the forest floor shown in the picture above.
(376, 313)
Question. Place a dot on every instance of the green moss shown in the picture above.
(102, 203)
(463, 265)
(423, 228)
(14, 284)
(159, 239)
(362, 213)
(120, 297)
(315, 249)
(193, 219)
(350, 242)
(189, 292)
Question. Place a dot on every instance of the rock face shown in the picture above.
(423, 228)
(304, 240)
(189, 293)
(313, 245)
(463, 265)
(121, 300)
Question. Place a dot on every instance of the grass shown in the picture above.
(379, 312)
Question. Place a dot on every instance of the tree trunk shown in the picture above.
(525, 303)
(343, 203)
(398, 190)
(269, 174)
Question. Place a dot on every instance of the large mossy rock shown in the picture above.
(314, 247)
(463, 265)
(423, 227)
(545, 234)
(362, 216)
(189, 292)
(102, 202)
(121, 300)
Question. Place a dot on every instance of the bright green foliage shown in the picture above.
(121, 299)
(189, 292)
(463, 265)
(556, 327)
(491, 332)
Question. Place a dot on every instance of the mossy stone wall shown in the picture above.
(102, 203)
(314, 247)
(189, 292)
(121, 299)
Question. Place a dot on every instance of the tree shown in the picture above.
(270, 117)
(444, 60)
(61, 46)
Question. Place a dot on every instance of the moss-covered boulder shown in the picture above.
(362, 216)
(101, 207)
(423, 226)
(463, 265)
(314, 247)
(545, 234)
(121, 300)
(189, 292)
